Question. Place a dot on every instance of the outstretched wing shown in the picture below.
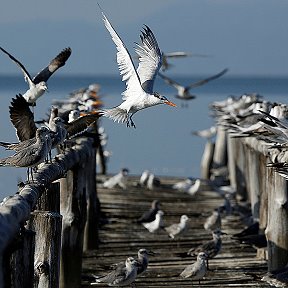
(54, 65)
(204, 81)
(170, 81)
(150, 59)
(27, 76)
(125, 64)
(22, 118)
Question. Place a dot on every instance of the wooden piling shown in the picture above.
(206, 161)
(73, 208)
(47, 226)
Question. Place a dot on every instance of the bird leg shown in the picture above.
(131, 122)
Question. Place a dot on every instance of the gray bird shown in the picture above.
(37, 85)
(213, 222)
(120, 276)
(197, 270)
(177, 228)
(183, 92)
(32, 155)
(211, 248)
(142, 260)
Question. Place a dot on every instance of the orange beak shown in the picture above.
(170, 103)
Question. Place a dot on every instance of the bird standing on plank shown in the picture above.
(139, 83)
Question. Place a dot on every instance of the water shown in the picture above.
(162, 142)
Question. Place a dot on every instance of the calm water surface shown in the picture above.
(162, 142)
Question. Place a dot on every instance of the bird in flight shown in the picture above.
(38, 85)
(139, 92)
(183, 92)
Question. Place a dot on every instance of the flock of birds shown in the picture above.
(252, 116)
(36, 142)
(246, 116)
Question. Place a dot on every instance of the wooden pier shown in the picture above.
(235, 266)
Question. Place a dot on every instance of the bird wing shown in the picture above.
(204, 81)
(27, 76)
(54, 65)
(125, 63)
(22, 118)
(147, 216)
(80, 125)
(170, 81)
(150, 59)
(189, 271)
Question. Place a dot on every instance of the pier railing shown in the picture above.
(38, 245)
(247, 159)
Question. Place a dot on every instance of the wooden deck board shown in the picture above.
(235, 266)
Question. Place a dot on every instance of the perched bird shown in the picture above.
(139, 83)
(38, 85)
(149, 216)
(196, 187)
(183, 92)
(144, 177)
(207, 133)
(183, 185)
(177, 228)
(32, 155)
(142, 260)
(152, 182)
(118, 179)
(120, 276)
(197, 270)
(156, 224)
(213, 222)
(211, 248)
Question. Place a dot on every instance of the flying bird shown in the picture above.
(139, 92)
(183, 92)
(38, 85)
(178, 54)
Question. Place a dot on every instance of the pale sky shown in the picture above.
(250, 37)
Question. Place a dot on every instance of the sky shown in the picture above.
(250, 37)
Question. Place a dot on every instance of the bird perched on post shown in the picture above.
(197, 270)
(139, 92)
(38, 85)
(31, 155)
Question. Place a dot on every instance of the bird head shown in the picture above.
(163, 100)
(202, 256)
(130, 261)
(43, 86)
(145, 252)
(184, 218)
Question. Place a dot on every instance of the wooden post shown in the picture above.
(73, 208)
(276, 231)
(220, 151)
(50, 198)
(19, 259)
(47, 226)
(93, 209)
(231, 150)
(207, 158)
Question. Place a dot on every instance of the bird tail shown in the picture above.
(116, 114)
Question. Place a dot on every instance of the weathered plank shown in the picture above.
(235, 266)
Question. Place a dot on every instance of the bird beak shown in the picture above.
(151, 253)
(170, 103)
